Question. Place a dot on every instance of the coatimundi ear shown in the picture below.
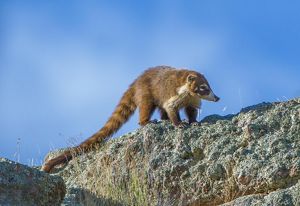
(191, 78)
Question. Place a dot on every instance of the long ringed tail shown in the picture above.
(122, 113)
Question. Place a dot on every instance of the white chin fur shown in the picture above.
(210, 97)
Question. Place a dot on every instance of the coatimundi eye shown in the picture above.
(203, 87)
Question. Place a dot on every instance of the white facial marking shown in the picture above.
(203, 87)
(210, 97)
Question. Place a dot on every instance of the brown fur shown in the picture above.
(161, 87)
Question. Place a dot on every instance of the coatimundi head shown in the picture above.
(198, 86)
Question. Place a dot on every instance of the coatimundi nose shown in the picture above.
(216, 98)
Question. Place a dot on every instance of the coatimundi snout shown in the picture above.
(164, 88)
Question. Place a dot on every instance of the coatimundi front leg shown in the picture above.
(164, 115)
(173, 105)
(173, 117)
(192, 113)
(146, 111)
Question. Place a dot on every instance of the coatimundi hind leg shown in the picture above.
(191, 113)
(146, 110)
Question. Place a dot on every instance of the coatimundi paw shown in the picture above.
(182, 125)
(154, 121)
(196, 123)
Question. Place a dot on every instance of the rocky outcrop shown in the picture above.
(23, 185)
(237, 159)
(286, 197)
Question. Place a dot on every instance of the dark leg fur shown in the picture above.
(163, 114)
(191, 113)
(178, 116)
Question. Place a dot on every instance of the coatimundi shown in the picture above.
(162, 87)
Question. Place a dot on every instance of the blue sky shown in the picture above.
(65, 64)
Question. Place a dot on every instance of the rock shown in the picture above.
(216, 171)
(281, 197)
(243, 159)
(23, 185)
